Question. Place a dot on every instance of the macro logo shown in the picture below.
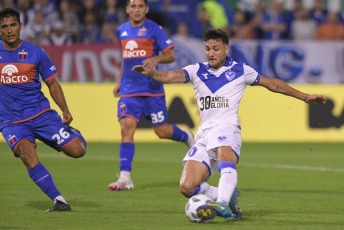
(8, 75)
(130, 51)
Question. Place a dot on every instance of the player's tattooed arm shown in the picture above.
(177, 76)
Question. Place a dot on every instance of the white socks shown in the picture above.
(209, 191)
(227, 184)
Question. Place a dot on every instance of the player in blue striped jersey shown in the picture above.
(219, 85)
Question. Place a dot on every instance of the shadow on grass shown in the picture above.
(44, 205)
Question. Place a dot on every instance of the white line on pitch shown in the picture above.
(297, 167)
(142, 159)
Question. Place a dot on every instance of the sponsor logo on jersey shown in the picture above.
(22, 55)
(9, 75)
(123, 34)
(213, 102)
(142, 31)
(230, 75)
(12, 140)
(137, 48)
(221, 138)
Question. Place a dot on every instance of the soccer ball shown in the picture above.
(192, 205)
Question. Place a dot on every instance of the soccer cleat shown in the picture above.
(191, 139)
(59, 206)
(211, 210)
(121, 184)
(234, 205)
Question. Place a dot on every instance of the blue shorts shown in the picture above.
(47, 127)
(153, 108)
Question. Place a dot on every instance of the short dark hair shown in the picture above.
(216, 34)
(8, 12)
(128, 2)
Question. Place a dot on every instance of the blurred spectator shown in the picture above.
(257, 18)
(58, 37)
(37, 30)
(242, 27)
(303, 27)
(201, 24)
(107, 34)
(89, 31)
(50, 14)
(298, 9)
(182, 35)
(330, 30)
(8, 4)
(89, 6)
(26, 15)
(70, 20)
(174, 12)
(273, 22)
(215, 13)
(318, 13)
(112, 14)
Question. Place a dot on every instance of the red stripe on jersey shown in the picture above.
(30, 117)
(17, 73)
(51, 77)
(167, 48)
(137, 48)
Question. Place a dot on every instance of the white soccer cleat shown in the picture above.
(121, 184)
(191, 139)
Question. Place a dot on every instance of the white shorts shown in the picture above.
(209, 139)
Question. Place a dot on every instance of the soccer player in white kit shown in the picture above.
(219, 85)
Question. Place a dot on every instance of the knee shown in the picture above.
(187, 188)
(79, 153)
(75, 151)
(163, 132)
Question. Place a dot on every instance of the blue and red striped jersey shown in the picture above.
(138, 44)
(21, 97)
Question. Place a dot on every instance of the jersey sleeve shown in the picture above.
(252, 77)
(162, 40)
(46, 68)
(190, 72)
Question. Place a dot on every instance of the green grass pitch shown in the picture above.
(283, 186)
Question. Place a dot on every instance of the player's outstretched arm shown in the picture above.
(58, 97)
(176, 76)
(279, 86)
(166, 57)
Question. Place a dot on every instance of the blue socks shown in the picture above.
(126, 154)
(179, 135)
(40, 175)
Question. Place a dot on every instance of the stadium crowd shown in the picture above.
(65, 22)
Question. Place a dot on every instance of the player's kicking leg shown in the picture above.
(173, 132)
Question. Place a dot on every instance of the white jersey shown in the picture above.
(219, 91)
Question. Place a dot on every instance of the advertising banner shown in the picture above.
(264, 116)
(308, 62)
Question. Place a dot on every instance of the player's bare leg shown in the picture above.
(168, 131)
(75, 148)
(39, 174)
(127, 149)
(193, 174)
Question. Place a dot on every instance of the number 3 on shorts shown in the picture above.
(157, 117)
